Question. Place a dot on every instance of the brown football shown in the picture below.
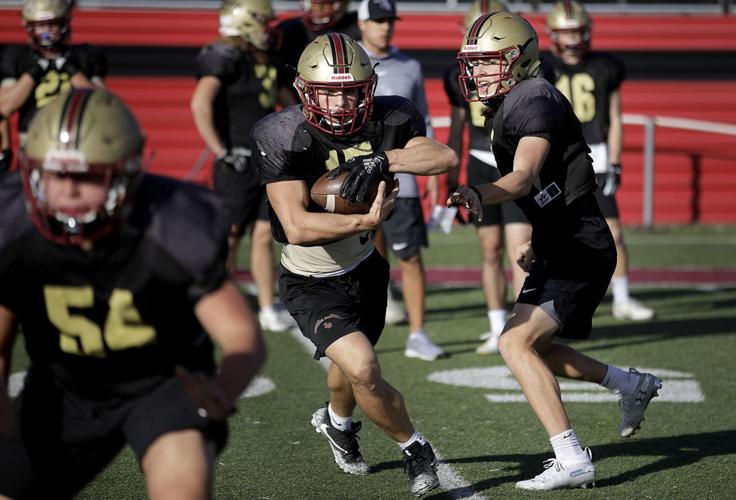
(326, 193)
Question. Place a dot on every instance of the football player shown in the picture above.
(498, 220)
(332, 280)
(545, 168)
(118, 281)
(33, 75)
(290, 36)
(591, 81)
(237, 86)
(405, 232)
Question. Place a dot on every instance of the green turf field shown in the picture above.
(475, 415)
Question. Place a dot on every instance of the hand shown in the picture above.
(236, 162)
(382, 205)
(613, 179)
(36, 67)
(524, 256)
(206, 394)
(364, 172)
(468, 197)
(6, 159)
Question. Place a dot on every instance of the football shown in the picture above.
(326, 193)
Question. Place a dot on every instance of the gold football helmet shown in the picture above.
(569, 16)
(91, 135)
(47, 23)
(335, 62)
(247, 19)
(480, 7)
(499, 37)
(319, 15)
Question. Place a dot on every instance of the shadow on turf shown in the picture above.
(672, 452)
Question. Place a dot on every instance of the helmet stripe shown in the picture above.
(485, 6)
(339, 51)
(475, 29)
(71, 117)
(568, 8)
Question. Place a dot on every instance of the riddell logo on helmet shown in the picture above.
(342, 78)
(470, 48)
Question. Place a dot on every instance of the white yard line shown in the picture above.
(450, 480)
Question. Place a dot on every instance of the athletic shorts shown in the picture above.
(327, 309)
(570, 285)
(480, 172)
(244, 197)
(607, 204)
(59, 441)
(405, 230)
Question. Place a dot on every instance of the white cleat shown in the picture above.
(420, 346)
(632, 309)
(490, 346)
(557, 475)
(635, 404)
(485, 336)
(276, 319)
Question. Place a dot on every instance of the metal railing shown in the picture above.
(649, 123)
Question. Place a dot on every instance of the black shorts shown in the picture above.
(60, 442)
(244, 196)
(327, 309)
(480, 172)
(607, 204)
(571, 284)
(406, 231)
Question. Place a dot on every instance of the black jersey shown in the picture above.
(292, 35)
(536, 108)
(118, 319)
(248, 92)
(474, 111)
(287, 147)
(89, 60)
(588, 86)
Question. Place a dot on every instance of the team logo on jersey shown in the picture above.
(325, 322)
(545, 196)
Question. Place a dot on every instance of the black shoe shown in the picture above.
(421, 466)
(344, 445)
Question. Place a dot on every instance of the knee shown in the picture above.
(492, 252)
(365, 377)
(261, 234)
(511, 346)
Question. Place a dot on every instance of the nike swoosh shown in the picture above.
(527, 290)
(323, 428)
(399, 246)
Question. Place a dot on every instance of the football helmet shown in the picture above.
(319, 15)
(91, 135)
(247, 19)
(500, 37)
(47, 13)
(480, 7)
(335, 62)
(569, 16)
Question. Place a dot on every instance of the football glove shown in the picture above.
(6, 158)
(231, 161)
(365, 171)
(613, 179)
(36, 66)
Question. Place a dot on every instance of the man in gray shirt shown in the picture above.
(399, 74)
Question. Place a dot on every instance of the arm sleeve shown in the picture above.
(9, 64)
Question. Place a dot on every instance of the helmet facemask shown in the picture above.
(248, 20)
(344, 121)
(569, 17)
(482, 87)
(319, 15)
(50, 35)
(575, 50)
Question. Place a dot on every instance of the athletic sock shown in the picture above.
(618, 380)
(620, 287)
(567, 448)
(418, 332)
(342, 424)
(416, 437)
(497, 319)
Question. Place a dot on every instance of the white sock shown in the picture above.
(620, 286)
(497, 319)
(413, 439)
(268, 310)
(417, 332)
(567, 447)
(340, 423)
(619, 381)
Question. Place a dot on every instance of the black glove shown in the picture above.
(613, 179)
(236, 162)
(365, 171)
(37, 67)
(6, 158)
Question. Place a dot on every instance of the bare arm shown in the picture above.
(15, 94)
(615, 129)
(201, 106)
(422, 156)
(4, 134)
(290, 200)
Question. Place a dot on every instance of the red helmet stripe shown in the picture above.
(568, 8)
(339, 52)
(485, 6)
(475, 29)
(71, 117)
